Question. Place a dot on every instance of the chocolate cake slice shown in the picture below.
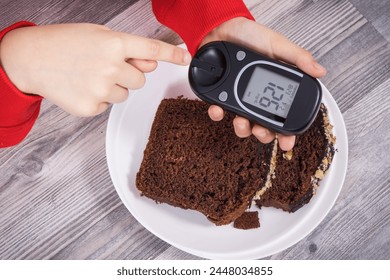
(195, 163)
(295, 179)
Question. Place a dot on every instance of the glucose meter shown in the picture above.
(273, 94)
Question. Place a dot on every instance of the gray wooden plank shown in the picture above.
(315, 26)
(57, 200)
(58, 11)
(139, 20)
(377, 12)
(356, 66)
(60, 205)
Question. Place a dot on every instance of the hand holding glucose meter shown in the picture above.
(268, 92)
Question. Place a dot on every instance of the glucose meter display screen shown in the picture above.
(270, 92)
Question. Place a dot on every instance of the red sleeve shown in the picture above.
(18, 111)
(194, 19)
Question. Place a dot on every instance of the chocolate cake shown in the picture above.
(195, 163)
(295, 179)
(248, 220)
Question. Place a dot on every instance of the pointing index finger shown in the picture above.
(151, 49)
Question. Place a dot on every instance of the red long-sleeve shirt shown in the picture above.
(18, 111)
(191, 19)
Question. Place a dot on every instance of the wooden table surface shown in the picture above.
(57, 200)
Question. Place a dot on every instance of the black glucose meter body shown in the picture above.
(265, 91)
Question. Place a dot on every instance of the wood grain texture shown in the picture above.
(55, 11)
(57, 200)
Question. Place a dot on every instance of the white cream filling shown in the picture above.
(320, 172)
(271, 172)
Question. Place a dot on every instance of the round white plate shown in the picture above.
(128, 130)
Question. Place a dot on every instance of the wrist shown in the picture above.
(11, 52)
(226, 31)
(9, 49)
(2, 44)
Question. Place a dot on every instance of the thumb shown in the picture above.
(284, 49)
(305, 61)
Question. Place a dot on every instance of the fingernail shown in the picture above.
(241, 126)
(187, 58)
(262, 134)
(319, 67)
(287, 144)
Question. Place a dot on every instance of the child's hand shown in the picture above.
(258, 37)
(82, 67)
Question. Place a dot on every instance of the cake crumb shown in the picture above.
(248, 220)
(319, 174)
(288, 155)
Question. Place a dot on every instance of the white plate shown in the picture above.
(127, 135)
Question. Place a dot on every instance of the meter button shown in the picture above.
(223, 96)
(240, 55)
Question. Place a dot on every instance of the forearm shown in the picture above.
(194, 19)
